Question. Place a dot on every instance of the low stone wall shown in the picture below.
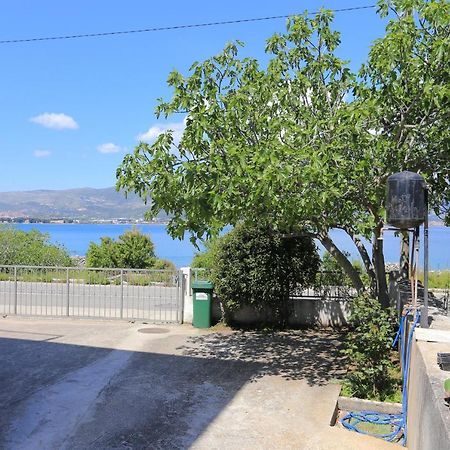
(305, 312)
(357, 404)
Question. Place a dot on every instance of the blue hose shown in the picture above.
(354, 418)
(398, 422)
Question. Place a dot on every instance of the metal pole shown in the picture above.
(15, 290)
(411, 264)
(424, 315)
(68, 293)
(121, 293)
(414, 266)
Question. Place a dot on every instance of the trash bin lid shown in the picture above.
(202, 284)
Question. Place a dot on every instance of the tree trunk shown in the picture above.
(379, 266)
(404, 257)
(365, 258)
(284, 311)
(342, 260)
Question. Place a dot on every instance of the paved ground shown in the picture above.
(72, 384)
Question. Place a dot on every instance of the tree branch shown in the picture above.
(342, 260)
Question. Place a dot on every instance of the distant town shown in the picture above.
(121, 220)
(83, 205)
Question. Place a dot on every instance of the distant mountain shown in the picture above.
(83, 203)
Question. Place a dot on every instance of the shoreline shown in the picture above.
(432, 224)
(87, 222)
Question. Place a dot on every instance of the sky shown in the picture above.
(71, 109)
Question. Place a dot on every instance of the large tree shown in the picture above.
(302, 141)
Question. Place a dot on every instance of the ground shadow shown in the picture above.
(303, 312)
(311, 355)
(155, 401)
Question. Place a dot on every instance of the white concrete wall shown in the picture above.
(305, 313)
(428, 424)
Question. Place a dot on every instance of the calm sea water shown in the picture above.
(76, 238)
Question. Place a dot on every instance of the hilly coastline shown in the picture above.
(84, 204)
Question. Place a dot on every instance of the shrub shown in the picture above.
(132, 250)
(334, 275)
(31, 248)
(206, 258)
(258, 267)
(369, 347)
(136, 250)
(104, 255)
(163, 264)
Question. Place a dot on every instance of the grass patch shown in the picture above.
(146, 279)
(391, 390)
(437, 279)
(373, 428)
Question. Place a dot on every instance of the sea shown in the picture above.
(76, 238)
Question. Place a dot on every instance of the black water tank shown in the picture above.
(405, 200)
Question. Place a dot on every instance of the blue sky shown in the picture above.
(70, 109)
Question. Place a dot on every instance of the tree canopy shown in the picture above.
(303, 141)
(132, 250)
(32, 248)
(255, 266)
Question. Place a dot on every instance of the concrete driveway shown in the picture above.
(81, 384)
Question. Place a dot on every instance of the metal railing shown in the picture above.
(332, 293)
(199, 273)
(153, 295)
(328, 285)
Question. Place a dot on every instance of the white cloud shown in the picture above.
(109, 147)
(56, 121)
(42, 153)
(155, 130)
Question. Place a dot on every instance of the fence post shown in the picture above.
(68, 292)
(179, 296)
(15, 290)
(121, 293)
(186, 302)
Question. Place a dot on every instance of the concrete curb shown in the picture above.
(357, 404)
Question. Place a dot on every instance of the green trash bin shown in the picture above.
(202, 291)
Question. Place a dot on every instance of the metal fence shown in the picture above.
(199, 273)
(153, 295)
(328, 285)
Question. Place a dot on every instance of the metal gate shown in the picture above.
(151, 295)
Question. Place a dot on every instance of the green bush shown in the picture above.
(163, 264)
(258, 267)
(104, 255)
(334, 275)
(332, 272)
(132, 250)
(437, 279)
(206, 258)
(30, 248)
(368, 347)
